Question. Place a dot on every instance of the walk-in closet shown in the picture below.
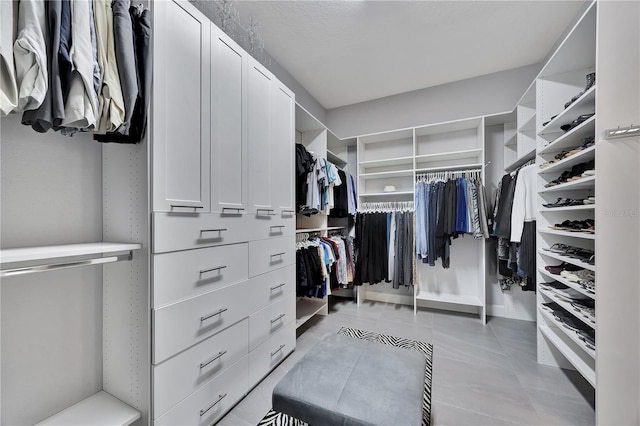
(369, 212)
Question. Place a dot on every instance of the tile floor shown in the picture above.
(482, 375)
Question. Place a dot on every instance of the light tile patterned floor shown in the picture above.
(482, 375)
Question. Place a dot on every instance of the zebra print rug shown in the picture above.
(274, 418)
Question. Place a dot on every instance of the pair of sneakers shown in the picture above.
(577, 276)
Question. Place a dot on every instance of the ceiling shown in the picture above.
(346, 52)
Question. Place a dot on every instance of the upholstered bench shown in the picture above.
(348, 381)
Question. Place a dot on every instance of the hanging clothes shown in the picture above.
(8, 80)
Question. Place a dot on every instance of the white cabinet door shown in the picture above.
(228, 124)
(259, 139)
(282, 151)
(181, 108)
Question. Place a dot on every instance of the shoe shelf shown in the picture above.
(571, 139)
(584, 364)
(577, 234)
(586, 104)
(566, 163)
(566, 282)
(572, 336)
(571, 260)
(567, 306)
(582, 183)
(568, 208)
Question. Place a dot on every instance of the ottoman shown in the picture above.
(348, 381)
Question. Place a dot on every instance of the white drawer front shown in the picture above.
(172, 232)
(268, 255)
(271, 287)
(184, 274)
(176, 378)
(183, 324)
(272, 226)
(268, 321)
(266, 356)
(212, 401)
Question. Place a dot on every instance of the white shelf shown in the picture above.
(566, 282)
(586, 104)
(566, 163)
(560, 342)
(520, 161)
(511, 141)
(307, 308)
(333, 158)
(453, 155)
(583, 183)
(326, 228)
(567, 332)
(449, 168)
(570, 260)
(529, 125)
(567, 306)
(380, 175)
(386, 194)
(572, 138)
(450, 298)
(398, 161)
(585, 235)
(100, 409)
(568, 208)
(28, 254)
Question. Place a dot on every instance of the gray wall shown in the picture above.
(484, 95)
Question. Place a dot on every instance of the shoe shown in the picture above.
(577, 276)
(591, 80)
(550, 120)
(578, 121)
(564, 266)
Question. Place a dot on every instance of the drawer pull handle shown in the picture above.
(213, 314)
(278, 286)
(173, 206)
(277, 350)
(235, 209)
(289, 211)
(220, 398)
(278, 318)
(268, 211)
(217, 268)
(278, 254)
(204, 364)
(278, 226)
(213, 230)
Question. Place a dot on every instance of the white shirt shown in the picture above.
(8, 83)
(524, 201)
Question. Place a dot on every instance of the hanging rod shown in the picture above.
(64, 265)
(623, 132)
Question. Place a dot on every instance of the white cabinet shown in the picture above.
(228, 124)
(282, 150)
(181, 109)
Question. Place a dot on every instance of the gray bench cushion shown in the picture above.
(347, 381)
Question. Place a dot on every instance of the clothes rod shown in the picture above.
(64, 265)
(623, 132)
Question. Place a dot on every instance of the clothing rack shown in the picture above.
(386, 206)
(449, 174)
(528, 163)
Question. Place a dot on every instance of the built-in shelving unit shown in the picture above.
(100, 409)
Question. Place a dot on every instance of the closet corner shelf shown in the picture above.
(584, 235)
(566, 306)
(568, 208)
(564, 347)
(586, 104)
(584, 183)
(567, 332)
(307, 307)
(581, 157)
(570, 260)
(529, 125)
(566, 282)
(449, 298)
(572, 138)
(520, 161)
(335, 159)
(100, 409)
(42, 258)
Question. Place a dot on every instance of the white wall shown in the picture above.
(51, 326)
(474, 97)
(617, 215)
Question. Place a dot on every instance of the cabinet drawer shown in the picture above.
(173, 232)
(184, 274)
(209, 403)
(183, 324)
(268, 255)
(268, 321)
(272, 287)
(178, 377)
(272, 226)
(269, 354)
